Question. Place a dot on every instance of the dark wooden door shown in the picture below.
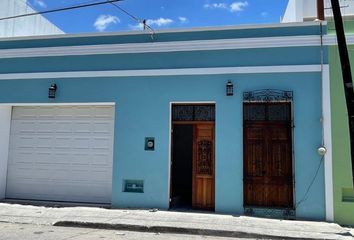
(203, 166)
(268, 168)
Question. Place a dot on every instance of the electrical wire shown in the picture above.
(61, 9)
(304, 198)
(138, 20)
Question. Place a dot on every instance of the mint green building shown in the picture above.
(342, 176)
(343, 192)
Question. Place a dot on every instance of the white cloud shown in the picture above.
(238, 6)
(40, 3)
(183, 19)
(233, 7)
(103, 21)
(135, 27)
(159, 22)
(264, 14)
(215, 5)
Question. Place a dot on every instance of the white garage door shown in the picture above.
(61, 153)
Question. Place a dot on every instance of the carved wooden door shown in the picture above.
(203, 166)
(268, 174)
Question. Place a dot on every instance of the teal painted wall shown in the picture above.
(196, 59)
(142, 110)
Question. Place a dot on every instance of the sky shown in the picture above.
(160, 14)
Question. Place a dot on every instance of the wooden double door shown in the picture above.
(268, 169)
(193, 164)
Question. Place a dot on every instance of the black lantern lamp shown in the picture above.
(52, 90)
(229, 88)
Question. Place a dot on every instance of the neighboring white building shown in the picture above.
(24, 26)
(306, 10)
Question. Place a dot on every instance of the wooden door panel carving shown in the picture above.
(268, 158)
(203, 166)
(204, 157)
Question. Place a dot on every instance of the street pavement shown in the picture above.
(13, 231)
(169, 222)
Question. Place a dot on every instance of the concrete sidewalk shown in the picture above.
(172, 222)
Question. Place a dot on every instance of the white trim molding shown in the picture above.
(164, 31)
(5, 123)
(156, 47)
(173, 46)
(163, 72)
(327, 134)
(59, 104)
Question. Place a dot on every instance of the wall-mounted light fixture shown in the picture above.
(322, 151)
(229, 88)
(52, 90)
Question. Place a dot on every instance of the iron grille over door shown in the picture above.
(272, 111)
(193, 112)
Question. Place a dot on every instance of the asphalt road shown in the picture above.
(12, 231)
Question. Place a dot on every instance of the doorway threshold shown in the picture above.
(190, 210)
(279, 213)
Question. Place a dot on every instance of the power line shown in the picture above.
(142, 21)
(61, 9)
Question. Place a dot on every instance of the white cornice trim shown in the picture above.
(163, 31)
(163, 72)
(176, 46)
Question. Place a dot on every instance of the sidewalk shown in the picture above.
(172, 222)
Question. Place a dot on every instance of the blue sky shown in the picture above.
(161, 14)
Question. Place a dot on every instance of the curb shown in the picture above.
(176, 230)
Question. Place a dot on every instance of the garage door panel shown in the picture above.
(65, 112)
(100, 159)
(44, 142)
(26, 113)
(70, 189)
(82, 127)
(20, 157)
(102, 143)
(23, 127)
(102, 127)
(103, 112)
(65, 127)
(61, 143)
(61, 153)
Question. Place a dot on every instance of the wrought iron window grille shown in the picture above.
(268, 95)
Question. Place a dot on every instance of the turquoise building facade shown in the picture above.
(143, 75)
